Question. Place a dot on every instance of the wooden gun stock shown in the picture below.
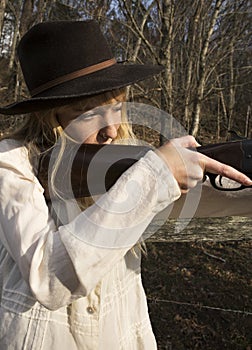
(92, 169)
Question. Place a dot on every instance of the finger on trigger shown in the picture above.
(215, 167)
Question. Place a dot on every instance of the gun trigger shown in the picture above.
(212, 178)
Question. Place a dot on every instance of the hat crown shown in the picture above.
(67, 60)
(53, 49)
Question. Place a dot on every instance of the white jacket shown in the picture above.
(77, 286)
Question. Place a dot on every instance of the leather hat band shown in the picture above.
(73, 75)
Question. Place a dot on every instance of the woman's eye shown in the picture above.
(117, 108)
(87, 116)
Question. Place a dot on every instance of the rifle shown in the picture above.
(83, 168)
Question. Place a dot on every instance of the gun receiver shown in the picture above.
(92, 169)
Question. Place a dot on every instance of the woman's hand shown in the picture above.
(188, 167)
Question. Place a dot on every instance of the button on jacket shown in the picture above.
(76, 286)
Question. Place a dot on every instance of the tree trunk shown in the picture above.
(202, 71)
(192, 52)
(41, 10)
(23, 23)
(231, 88)
(26, 17)
(247, 131)
(166, 61)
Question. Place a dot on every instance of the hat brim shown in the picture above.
(114, 77)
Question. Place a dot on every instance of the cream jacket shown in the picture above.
(77, 286)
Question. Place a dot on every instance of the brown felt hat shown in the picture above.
(64, 60)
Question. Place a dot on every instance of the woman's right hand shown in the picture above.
(188, 167)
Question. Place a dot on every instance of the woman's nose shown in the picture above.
(110, 131)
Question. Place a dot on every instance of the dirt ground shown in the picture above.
(200, 294)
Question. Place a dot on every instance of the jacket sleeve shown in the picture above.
(65, 263)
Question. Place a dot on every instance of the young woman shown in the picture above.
(77, 284)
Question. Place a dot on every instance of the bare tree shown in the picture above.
(192, 45)
(201, 81)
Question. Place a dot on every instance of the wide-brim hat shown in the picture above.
(64, 60)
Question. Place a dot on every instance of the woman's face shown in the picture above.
(98, 125)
